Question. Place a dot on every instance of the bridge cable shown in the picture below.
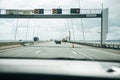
(82, 23)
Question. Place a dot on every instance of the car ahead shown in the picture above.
(36, 39)
(58, 41)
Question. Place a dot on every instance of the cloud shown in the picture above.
(114, 30)
(6, 27)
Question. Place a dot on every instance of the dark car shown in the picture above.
(36, 39)
(58, 41)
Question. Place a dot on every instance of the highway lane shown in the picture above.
(97, 53)
(52, 50)
(43, 50)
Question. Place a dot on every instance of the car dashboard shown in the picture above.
(39, 69)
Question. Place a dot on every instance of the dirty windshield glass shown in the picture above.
(60, 29)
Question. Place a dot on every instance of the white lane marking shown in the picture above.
(74, 52)
(83, 54)
(37, 52)
(106, 52)
(111, 53)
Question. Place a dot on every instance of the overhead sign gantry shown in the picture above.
(61, 13)
(51, 13)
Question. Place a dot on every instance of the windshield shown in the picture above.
(60, 29)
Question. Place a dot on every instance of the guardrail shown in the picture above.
(112, 45)
(11, 43)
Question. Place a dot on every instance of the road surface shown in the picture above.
(52, 50)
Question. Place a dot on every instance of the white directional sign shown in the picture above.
(23, 12)
(91, 15)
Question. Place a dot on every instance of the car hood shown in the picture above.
(61, 67)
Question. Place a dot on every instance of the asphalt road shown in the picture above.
(52, 50)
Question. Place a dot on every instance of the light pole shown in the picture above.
(69, 35)
(99, 35)
(66, 28)
(27, 29)
(16, 30)
(83, 29)
(35, 28)
(73, 30)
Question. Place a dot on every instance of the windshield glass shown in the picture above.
(60, 29)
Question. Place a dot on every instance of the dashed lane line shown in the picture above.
(37, 52)
(74, 52)
(89, 57)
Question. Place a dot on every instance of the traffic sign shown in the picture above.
(57, 11)
(91, 15)
(36, 11)
(39, 11)
(74, 10)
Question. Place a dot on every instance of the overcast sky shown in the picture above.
(58, 28)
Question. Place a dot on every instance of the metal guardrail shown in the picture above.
(48, 11)
(112, 45)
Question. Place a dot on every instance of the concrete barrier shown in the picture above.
(21, 43)
(6, 45)
(9, 43)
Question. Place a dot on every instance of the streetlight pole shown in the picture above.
(27, 29)
(69, 30)
(73, 30)
(66, 27)
(33, 31)
(102, 24)
(83, 30)
(16, 30)
(69, 35)
(99, 35)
